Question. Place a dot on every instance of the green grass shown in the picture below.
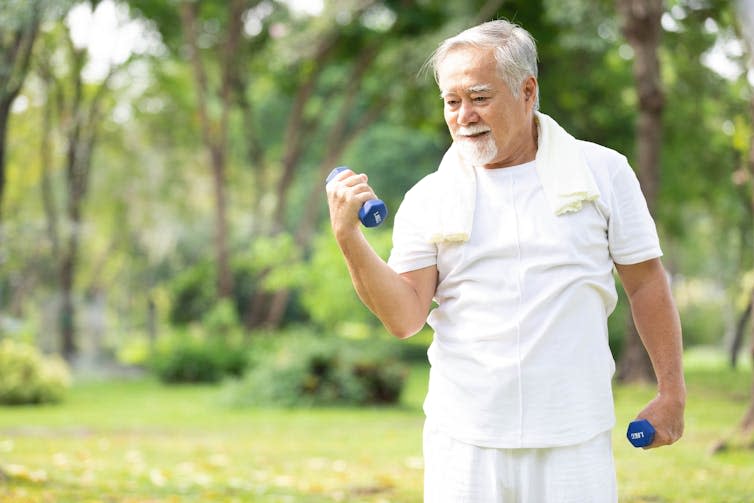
(140, 441)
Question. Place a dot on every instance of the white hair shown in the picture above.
(515, 51)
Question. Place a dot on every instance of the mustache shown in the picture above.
(472, 130)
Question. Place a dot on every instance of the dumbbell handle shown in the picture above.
(640, 433)
(373, 212)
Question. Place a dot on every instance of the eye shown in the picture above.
(451, 102)
(480, 99)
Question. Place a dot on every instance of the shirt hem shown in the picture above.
(518, 441)
(637, 257)
(402, 266)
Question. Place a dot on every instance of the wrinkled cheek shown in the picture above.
(450, 121)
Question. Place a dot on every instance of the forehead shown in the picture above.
(467, 67)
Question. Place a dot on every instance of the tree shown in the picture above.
(215, 126)
(283, 95)
(19, 25)
(641, 27)
(73, 111)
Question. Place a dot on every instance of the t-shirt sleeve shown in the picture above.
(632, 235)
(411, 248)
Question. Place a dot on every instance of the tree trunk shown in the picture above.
(641, 27)
(740, 333)
(45, 153)
(214, 133)
(634, 365)
(747, 425)
(5, 106)
(224, 275)
(67, 314)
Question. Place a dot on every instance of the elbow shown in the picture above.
(404, 331)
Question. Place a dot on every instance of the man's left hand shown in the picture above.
(666, 415)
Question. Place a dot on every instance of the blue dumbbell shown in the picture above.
(373, 212)
(640, 433)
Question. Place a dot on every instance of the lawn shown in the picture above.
(141, 441)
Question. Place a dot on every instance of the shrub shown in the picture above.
(703, 324)
(313, 370)
(203, 352)
(28, 377)
(192, 293)
(326, 290)
(190, 357)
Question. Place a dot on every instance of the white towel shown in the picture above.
(560, 164)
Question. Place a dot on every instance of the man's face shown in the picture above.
(490, 126)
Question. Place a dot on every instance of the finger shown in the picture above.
(664, 436)
(363, 197)
(354, 179)
(361, 192)
(340, 176)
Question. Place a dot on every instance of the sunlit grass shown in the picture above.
(140, 441)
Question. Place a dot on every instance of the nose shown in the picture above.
(466, 113)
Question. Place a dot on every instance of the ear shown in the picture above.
(529, 89)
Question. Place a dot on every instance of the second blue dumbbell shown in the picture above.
(640, 433)
(373, 212)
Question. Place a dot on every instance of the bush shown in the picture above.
(191, 357)
(203, 352)
(192, 293)
(28, 377)
(703, 324)
(326, 290)
(313, 370)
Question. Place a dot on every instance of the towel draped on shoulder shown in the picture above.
(562, 169)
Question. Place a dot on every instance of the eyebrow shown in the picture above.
(477, 88)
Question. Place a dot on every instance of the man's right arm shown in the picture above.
(400, 301)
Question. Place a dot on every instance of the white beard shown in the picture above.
(476, 152)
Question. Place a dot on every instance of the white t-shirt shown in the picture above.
(520, 355)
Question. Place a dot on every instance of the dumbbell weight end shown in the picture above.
(640, 433)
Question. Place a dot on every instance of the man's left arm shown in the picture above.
(659, 326)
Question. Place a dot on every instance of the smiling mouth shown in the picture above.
(475, 135)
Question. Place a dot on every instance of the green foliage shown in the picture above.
(702, 325)
(396, 157)
(222, 321)
(203, 352)
(276, 260)
(28, 377)
(326, 290)
(187, 356)
(192, 292)
(306, 369)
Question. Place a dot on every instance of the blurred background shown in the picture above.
(162, 207)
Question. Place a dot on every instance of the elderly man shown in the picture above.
(515, 237)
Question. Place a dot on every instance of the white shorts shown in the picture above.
(456, 472)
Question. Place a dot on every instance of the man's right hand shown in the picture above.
(346, 194)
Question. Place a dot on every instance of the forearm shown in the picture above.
(659, 327)
(392, 299)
